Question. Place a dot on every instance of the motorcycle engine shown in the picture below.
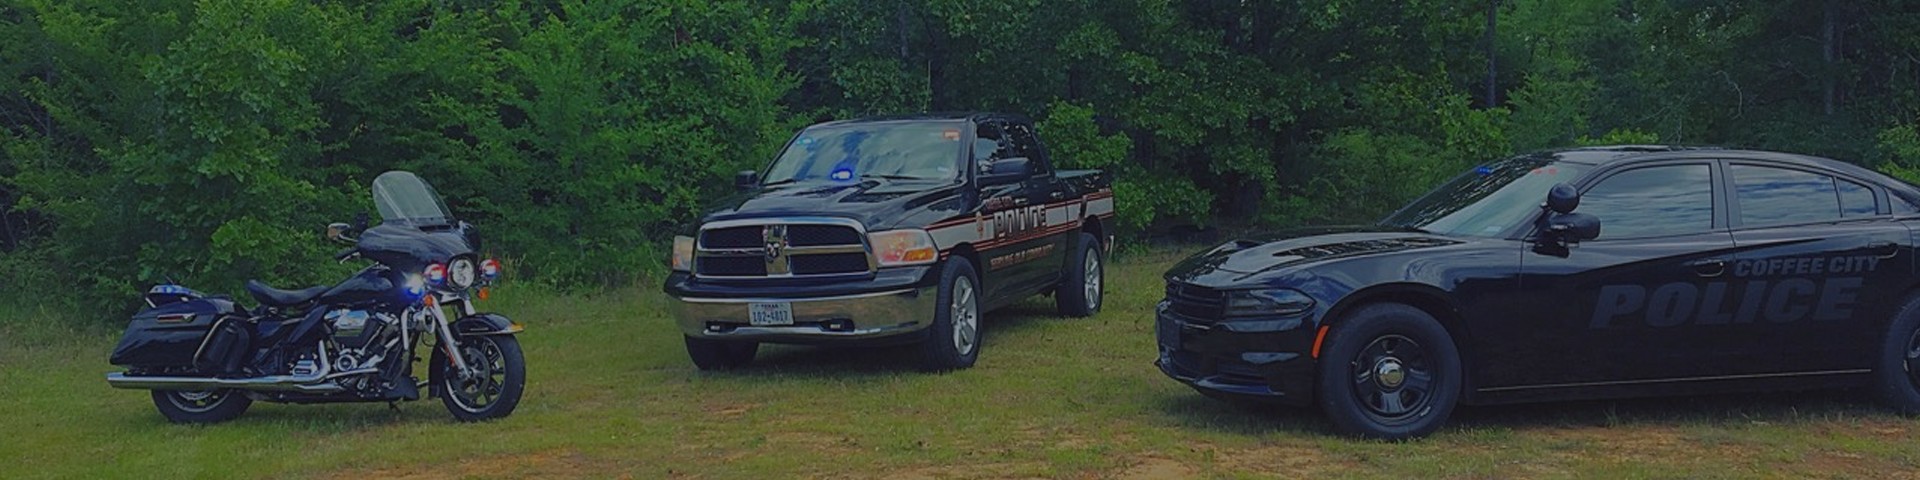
(362, 338)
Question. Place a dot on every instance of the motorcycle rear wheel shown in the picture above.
(203, 406)
(499, 377)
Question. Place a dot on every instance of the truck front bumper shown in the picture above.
(896, 307)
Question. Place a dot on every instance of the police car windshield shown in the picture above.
(887, 150)
(1487, 199)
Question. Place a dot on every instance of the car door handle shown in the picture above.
(1019, 200)
(1057, 194)
(1884, 249)
(1708, 267)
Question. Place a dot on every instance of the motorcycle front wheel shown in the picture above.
(492, 389)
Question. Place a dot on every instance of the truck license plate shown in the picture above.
(770, 314)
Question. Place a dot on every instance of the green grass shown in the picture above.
(611, 394)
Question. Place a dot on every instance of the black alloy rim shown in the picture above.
(1393, 379)
(478, 392)
(198, 401)
(1913, 358)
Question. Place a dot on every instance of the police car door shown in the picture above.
(1613, 305)
(1014, 256)
(1821, 264)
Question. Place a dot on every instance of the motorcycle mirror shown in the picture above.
(338, 232)
(360, 221)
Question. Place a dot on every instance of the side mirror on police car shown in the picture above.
(1563, 198)
(1006, 170)
(1574, 226)
(746, 179)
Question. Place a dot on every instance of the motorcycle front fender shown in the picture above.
(485, 324)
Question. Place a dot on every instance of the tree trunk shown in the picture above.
(1829, 48)
(1493, 71)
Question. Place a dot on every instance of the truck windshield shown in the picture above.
(894, 151)
(1487, 199)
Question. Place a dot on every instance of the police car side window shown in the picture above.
(1652, 201)
(1857, 200)
(1773, 196)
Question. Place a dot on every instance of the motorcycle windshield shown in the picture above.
(404, 198)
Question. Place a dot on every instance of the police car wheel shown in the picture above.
(719, 355)
(1390, 372)
(1083, 284)
(953, 341)
(1898, 375)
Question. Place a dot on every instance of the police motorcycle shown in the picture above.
(206, 359)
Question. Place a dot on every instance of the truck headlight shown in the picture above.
(895, 248)
(682, 254)
(1267, 302)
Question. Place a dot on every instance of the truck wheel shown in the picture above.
(1083, 284)
(1391, 372)
(719, 355)
(201, 406)
(953, 341)
(1897, 376)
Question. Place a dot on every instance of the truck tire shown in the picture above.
(1897, 376)
(953, 341)
(1390, 372)
(1083, 283)
(713, 355)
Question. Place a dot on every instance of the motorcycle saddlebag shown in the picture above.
(169, 335)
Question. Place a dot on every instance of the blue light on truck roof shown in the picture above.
(1483, 170)
(842, 174)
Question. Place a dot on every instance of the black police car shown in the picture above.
(1584, 273)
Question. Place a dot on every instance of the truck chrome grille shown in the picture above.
(782, 248)
(1197, 304)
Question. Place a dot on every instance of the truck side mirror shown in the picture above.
(1006, 170)
(746, 179)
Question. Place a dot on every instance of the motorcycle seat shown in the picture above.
(274, 297)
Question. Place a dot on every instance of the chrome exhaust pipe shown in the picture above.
(273, 383)
(310, 383)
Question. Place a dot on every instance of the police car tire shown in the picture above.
(938, 352)
(1358, 330)
(720, 355)
(1896, 386)
(1070, 298)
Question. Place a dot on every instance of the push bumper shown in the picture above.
(1258, 364)
(866, 315)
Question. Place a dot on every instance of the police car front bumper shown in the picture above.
(1238, 362)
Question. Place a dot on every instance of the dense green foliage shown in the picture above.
(208, 140)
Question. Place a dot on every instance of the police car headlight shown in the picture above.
(1267, 302)
(894, 248)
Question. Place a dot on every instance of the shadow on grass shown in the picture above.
(1193, 411)
(1772, 407)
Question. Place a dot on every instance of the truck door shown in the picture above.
(1023, 257)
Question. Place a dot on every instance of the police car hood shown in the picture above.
(876, 203)
(1280, 249)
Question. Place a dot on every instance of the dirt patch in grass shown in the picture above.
(544, 464)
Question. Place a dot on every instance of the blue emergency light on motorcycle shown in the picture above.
(415, 287)
(490, 269)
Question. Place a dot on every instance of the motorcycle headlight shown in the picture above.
(682, 254)
(896, 248)
(461, 273)
(1267, 302)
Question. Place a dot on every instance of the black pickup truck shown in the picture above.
(891, 230)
